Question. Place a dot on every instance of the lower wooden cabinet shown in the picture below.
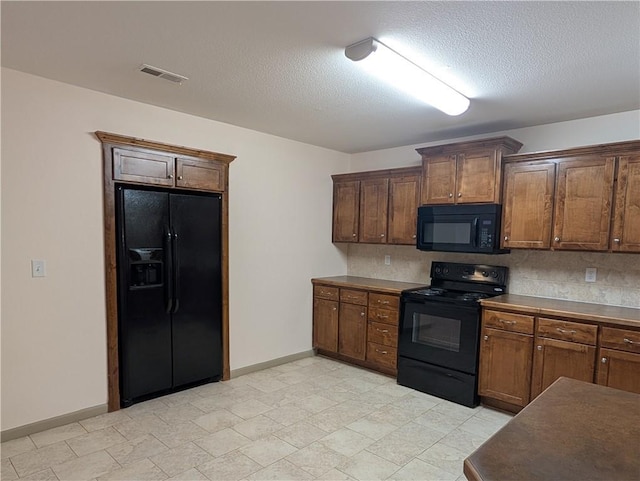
(506, 346)
(553, 359)
(352, 331)
(562, 348)
(619, 359)
(357, 325)
(522, 354)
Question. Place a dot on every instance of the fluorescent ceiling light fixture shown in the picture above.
(405, 75)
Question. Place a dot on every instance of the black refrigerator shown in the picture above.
(169, 291)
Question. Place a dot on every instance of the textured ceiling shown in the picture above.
(279, 67)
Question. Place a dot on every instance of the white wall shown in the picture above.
(562, 135)
(53, 328)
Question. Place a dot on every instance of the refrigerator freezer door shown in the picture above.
(144, 325)
(197, 309)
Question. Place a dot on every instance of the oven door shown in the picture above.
(439, 333)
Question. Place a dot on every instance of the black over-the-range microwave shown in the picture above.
(460, 228)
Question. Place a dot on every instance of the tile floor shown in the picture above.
(314, 418)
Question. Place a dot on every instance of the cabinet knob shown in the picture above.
(557, 239)
(603, 360)
(486, 338)
(413, 236)
(506, 237)
(362, 314)
(450, 195)
(617, 241)
(459, 194)
(179, 177)
(170, 176)
(353, 235)
(381, 235)
(539, 348)
(335, 308)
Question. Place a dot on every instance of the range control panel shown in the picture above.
(453, 271)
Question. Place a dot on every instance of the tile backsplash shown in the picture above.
(557, 274)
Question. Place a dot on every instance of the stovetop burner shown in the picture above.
(430, 291)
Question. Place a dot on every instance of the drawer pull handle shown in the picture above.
(565, 331)
(381, 352)
(382, 330)
(383, 302)
(503, 321)
(629, 341)
(382, 316)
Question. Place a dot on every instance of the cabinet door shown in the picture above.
(619, 370)
(584, 191)
(325, 324)
(477, 177)
(505, 366)
(143, 167)
(404, 198)
(200, 174)
(528, 205)
(374, 199)
(553, 358)
(352, 331)
(626, 223)
(439, 180)
(346, 206)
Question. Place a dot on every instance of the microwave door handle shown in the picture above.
(474, 233)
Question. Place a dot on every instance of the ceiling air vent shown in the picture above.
(160, 73)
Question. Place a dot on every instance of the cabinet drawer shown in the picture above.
(326, 292)
(384, 334)
(508, 321)
(383, 300)
(353, 297)
(383, 315)
(621, 339)
(567, 331)
(383, 355)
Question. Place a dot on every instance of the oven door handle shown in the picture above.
(474, 233)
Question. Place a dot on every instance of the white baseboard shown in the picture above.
(27, 429)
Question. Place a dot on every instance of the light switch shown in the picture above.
(387, 260)
(38, 268)
(590, 274)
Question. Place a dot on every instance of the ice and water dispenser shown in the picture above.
(146, 267)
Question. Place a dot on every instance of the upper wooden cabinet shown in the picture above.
(376, 207)
(465, 172)
(528, 204)
(577, 199)
(346, 209)
(582, 213)
(374, 203)
(404, 198)
(145, 162)
(625, 233)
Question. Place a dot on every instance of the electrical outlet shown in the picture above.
(590, 274)
(387, 260)
(38, 268)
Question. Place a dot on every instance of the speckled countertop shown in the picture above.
(540, 306)
(380, 285)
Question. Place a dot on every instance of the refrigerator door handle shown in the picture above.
(176, 274)
(168, 270)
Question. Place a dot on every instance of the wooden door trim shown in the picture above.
(109, 142)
